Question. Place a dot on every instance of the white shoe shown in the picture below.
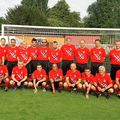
(44, 90)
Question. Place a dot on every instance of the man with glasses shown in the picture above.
(43, 55)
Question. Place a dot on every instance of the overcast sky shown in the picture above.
(75, 5)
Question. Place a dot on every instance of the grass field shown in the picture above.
(25, 105)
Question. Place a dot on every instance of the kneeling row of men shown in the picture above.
(73, 80)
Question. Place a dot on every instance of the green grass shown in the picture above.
(25, 105)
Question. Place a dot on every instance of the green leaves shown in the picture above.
(103, 13)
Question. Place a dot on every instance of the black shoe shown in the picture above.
(107, 96)
(98, 95)
(118, 95)
(6, 89)
(59, 90)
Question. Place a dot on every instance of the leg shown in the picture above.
(6, 83)
(44, 85)
(60, 86)
(79, 87)
(53, 86)
(66, 86)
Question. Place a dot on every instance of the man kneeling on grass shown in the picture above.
(103, 83)
(56, 77)
(4, 75)
(88, 80)
(73, 79)
(117, 83)
(19, 76)
(39, 78)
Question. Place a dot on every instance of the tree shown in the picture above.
(60, 15)
(41, 4)
(103, 13)
(2, 21)
(23, 15)
(26, 14)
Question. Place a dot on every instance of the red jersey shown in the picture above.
(82, 55)
(38, 75)
(90, 79)
(55, 74)
(68, 52)
(118, 75)
(3, 71)
(103, 81)
(23, 54)
(43, 53)
(55, 56)
(73, 76)
(19, 73)
(33, 52)
(3, 51)
(114, 56)
(98, 55)
(11, 53)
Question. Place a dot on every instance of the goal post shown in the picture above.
(107, 36)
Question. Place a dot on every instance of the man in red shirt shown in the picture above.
(25, 56)
(117, 84)
(114, 56)
(56, 77)
(19, 76)
(82, 55)
(43, 54)
(39, 78)
(98, 55)
(55, 55)
(33, 49)
(3, 48)
(88, 80)
(4, 75)
(68, 52)
(11, 55)
(103, 83)
(73, 79)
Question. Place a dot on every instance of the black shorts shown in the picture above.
(81, 67)
(114, 69)
(94, 67)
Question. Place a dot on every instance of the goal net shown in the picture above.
(107, 36)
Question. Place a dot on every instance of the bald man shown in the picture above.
(56, 78)
(82, 55)
(73, 79)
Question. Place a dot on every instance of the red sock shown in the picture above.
(60, 86)
(44, 86)
(6, 84)
(78, 89)
(118, 92)
(68, 88)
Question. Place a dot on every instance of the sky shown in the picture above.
(75, 5)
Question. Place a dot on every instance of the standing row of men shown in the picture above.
(43, 55)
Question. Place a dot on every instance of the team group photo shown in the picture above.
(59, 59)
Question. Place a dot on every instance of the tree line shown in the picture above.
(101, 14)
